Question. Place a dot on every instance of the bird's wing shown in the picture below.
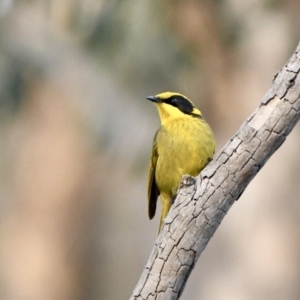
(153, 191)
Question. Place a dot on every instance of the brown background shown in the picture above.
(76, 134)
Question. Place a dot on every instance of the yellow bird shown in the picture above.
(184, 144)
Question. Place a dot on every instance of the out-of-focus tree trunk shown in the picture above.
(42, 235)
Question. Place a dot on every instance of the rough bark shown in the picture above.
(202, 202)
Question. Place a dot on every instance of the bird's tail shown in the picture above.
(165, 207)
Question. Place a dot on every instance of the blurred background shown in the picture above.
(76, 135)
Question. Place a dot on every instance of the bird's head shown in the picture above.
(174, 105)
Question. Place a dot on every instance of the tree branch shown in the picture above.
(202, 202)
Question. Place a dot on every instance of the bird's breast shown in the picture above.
(184, 147)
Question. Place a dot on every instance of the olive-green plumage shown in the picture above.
(184, 144)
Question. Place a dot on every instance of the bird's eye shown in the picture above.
(174, 101)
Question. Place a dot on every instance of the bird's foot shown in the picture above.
(173, 199)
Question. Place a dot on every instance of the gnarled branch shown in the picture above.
(202, 202)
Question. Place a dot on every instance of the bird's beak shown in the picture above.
(154, 99)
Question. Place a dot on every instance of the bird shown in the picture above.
(184, 144)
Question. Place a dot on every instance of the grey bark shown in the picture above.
(202, 202)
